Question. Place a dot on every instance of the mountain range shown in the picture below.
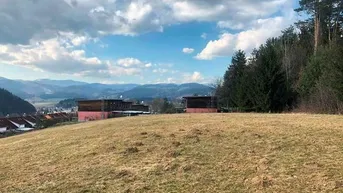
(47, 89)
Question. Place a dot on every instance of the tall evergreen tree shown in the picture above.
(333, 70)
(326, 18)
(269, 84)
(301, 68)
(233, 91)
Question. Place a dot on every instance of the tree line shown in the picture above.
(300, 70)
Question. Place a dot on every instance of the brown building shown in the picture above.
(89, 110)
(126, 105)
(142, 108)
(201, 104)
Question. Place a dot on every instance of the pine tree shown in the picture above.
(333, 70)
(313, 8)
(232, 91)
(326, 18)
(269, 88)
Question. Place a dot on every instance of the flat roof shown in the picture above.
(198, 97)
(97, 100)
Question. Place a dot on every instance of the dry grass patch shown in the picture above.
(179, 153)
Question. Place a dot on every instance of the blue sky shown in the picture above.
(136, 41)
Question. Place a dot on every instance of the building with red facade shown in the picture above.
(90, 110)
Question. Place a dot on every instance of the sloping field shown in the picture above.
(179, 153)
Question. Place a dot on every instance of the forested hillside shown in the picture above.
(11, 104)
(68, 103)
(302, 69)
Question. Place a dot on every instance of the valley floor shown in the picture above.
(179, 153)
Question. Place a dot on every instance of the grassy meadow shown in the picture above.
(179, 153)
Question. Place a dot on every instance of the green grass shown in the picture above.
(179, 153)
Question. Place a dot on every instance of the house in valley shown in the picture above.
(6, 125)
(20, 122)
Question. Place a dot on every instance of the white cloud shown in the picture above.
(187, 50)
(160, 70)
(79, 40)
(129, 62)
(55, 55)
(148, 65)
(23, 21)
(49, 55)
(231, 25)
(35, 36)
(247, 40)
(219, 10)
(224, 46)
(184, 77)
(195, 77)
(133, 63)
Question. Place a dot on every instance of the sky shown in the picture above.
(133, 41)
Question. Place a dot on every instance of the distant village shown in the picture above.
(16, 125)
(92, 110)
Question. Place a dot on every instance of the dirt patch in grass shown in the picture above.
(131, 150)
(138, 144)
(144, 133)
(176, 143)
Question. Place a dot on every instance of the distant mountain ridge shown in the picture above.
(167, 90)
(65, 89)
(61, 83)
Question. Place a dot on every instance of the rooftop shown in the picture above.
(198, 97)
(97, 100)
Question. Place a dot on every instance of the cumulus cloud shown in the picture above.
(187, 50)
(224, 46)
(49, 55)
(223, 10)
(55, 55)
(22, 21)
(132, 62)
(244, 40)
(195, 77)
(50, 35)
